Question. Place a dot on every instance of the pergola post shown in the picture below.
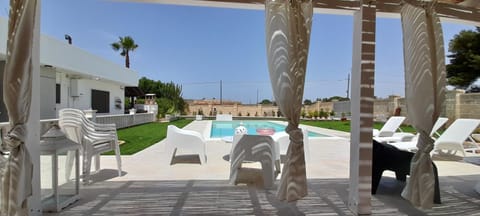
(363, 68)
(33, 125)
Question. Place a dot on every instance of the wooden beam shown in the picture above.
(466, 13)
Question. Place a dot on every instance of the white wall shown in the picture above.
(85, 86)
(47, 93)
(73, 59)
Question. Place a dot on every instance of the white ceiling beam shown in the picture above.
(467, 12)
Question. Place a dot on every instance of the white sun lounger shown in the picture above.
(452, 139)
(388, 132)
(407, 137)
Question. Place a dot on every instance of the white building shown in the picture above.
(72, 77)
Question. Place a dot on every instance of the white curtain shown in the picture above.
(288, 25)
(424, 92)
(17, 91)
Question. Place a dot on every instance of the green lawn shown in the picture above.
(345, 125)
(140, 137)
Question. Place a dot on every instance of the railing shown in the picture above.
(123, 121)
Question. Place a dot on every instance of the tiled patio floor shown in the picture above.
(151, 186)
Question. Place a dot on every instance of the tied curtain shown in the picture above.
(17, 92)
(288, 25)
(424, 92)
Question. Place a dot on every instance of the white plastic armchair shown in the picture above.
(185, 141)
(282, 141)
(93, 137)
(253, 148)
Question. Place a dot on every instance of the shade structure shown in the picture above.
(288, 25)
(17, 93)
(424, 92)
(133, 91)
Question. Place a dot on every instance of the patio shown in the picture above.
(151, 186)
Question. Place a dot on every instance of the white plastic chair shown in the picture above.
(253, 148)
(185, 141)
(94, 139)
(282, 141)
(451, 139)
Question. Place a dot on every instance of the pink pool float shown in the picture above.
(265, 131)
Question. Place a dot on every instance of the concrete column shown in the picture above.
(33, 124)
(363, 68)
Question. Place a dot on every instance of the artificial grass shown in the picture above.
(334, 125)
(141, 137)
(345, 125)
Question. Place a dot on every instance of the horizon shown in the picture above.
(196, 47)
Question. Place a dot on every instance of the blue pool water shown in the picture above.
(226, 128)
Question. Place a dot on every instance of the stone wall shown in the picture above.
(251, 110)
(464, 105)
(234, 110)
(457, 104)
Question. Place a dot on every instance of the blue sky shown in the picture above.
(198, 46)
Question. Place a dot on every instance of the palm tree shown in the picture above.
(126, 44)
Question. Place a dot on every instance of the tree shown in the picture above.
(165, 92)
(126, 45)
(464, 67)
(339, 98)
(266, 101)
(307, 102)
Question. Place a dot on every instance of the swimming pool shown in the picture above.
(226, 128)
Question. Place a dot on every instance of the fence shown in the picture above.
(121, 121)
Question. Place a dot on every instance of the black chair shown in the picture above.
(388, 157)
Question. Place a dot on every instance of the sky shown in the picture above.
(199, 47)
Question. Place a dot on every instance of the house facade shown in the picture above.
(71, 77)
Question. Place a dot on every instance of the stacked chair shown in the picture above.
(94, 139)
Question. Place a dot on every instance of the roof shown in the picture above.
(133, 91)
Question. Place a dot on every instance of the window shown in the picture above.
(101, 101)
(57, 93)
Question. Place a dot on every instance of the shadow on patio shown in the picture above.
(218, 197)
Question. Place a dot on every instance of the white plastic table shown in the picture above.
(57, 202)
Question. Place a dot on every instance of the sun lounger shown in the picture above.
(388, 132)
(451, 140)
